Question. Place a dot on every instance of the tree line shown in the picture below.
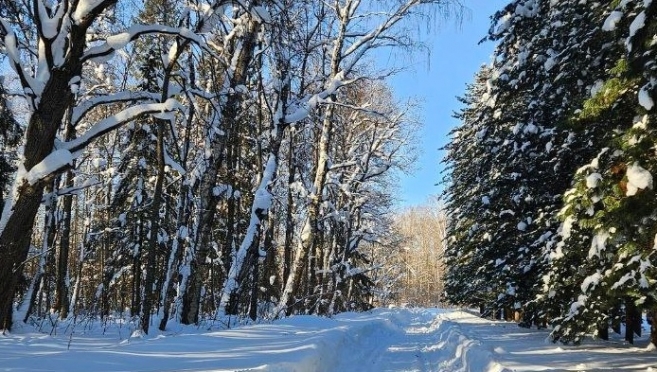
(550, 189)
(191, 160)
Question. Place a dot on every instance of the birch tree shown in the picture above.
(350, 46)
(60, 44)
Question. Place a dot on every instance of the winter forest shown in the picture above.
(211, 162)
(196, 160)
(551, 200)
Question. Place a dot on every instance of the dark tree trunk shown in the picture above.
(289, 218)
(6, 315)
(62, 287)
(616, 319)
(14, 245)
(150, 293)
(652, 316)
(632, 317)
(603, 331)
(42, 128)
(255, 288)
(230, 115)
(136, 271)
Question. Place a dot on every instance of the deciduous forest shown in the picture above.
(196, 160)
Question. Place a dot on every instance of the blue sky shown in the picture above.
(436, 80)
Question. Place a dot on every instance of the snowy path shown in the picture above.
(381, 340)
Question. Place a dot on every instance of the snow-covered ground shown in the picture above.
(381, 340)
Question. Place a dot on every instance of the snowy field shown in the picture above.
(381, 340)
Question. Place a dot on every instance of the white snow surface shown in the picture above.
(50, 164)
(638, 23)
(612, 20)
(644, 97)
(84, 8)
(593, 180)
(381, 340)
(638, 178)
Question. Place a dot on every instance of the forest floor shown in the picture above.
(381, 340)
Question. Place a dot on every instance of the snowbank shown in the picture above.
(381, 340)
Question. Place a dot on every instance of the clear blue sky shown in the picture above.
(436, 80)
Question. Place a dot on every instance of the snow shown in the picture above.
(598, 244)
(104, 50)
(169, 161)
(262, 13)
(593, 180)
(49, 26)
(84, 8)
(381, 340)
(53, 162)
(591, 280)
(638, 178)
(567, 227)
(638, 23)
(118, 41)
(641, 122)
(644, 97)
(612, 20)
(119, 119)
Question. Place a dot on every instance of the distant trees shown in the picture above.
(550, 175)
(187, 161)
(420, 255)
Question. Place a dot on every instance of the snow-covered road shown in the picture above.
(381, 340)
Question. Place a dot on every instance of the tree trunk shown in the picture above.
(136, 271)
(652, 316)
(150, 293)
(255, 288)
(29, 299)
(175, 255)
(230, 119)
(310, 228)
(62, 285)
(289, 219)
(630, 320)
(17, 226)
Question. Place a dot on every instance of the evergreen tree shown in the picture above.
(610, 214)
(469, 196)
(538, 85)
(10, 134)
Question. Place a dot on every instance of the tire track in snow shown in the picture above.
(413, 340)
(397, 341)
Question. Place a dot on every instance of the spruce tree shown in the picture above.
(10, 134)
(612, 207)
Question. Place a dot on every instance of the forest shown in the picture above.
(199, 160)
(550, 194)
(191, 162)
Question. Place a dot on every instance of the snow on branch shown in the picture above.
(118, 119)
(49, 26)
(309, 104)
(119, 41)
(9, 42)
(125, 96)
(56, 160)
(85, 8)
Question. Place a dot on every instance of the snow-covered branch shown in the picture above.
(118, 119)
(124, 96)
(119, 41)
